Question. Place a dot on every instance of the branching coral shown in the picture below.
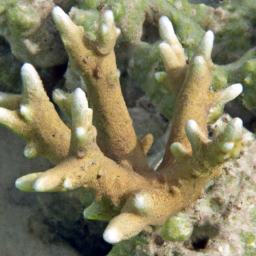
(112, 161)
(34, 39)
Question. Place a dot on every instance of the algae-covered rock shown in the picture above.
(246, 74)
(29, 29)
(221, 223)
(177, 228)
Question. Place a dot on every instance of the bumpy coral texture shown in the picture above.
(101, 151)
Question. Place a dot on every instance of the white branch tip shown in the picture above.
(25, 183)
(166, 29)
(227, 146)
(178, 150)
(206, 44)
(27, 69)
(191, 126)
(58, 13)
(231, 92)
(29, 74)
(112, 236)
(59, 95)
(139, 201)
(79, 98)
(107, 17)
(167, 52)
(199, 60)
(25, 112)
(232, 131)
(67, 184)
(161, 76)
(80, 132)
(164, 45)
(61, 19)
(30, 151)
(237, 123)
(209, 37)
(194, 134)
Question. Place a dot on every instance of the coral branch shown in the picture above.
(63, 100)
(10, 101)
(97, 64)
(83, 132)
(172, 55)
(36, 119)
(193, 97)
(219, 100)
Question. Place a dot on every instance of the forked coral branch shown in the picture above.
(112, 160)
(97, 65)
(33, 117)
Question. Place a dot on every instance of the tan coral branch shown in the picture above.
(36, 119)
(97, 64)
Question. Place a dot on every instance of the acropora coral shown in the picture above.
(101, 152)
(29, 29)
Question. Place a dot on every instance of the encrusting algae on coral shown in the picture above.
(101, 151)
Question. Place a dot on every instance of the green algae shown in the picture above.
(177, 228)
(21, 18)
(249, 240)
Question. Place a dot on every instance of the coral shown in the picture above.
(101, 151)
(30, 30)
(245, 73)
(25, 115)
(138, 22)
(223, 219)
(228, 21)
(222, 23)
(34, 39)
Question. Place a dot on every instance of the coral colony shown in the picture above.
(101, 152)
